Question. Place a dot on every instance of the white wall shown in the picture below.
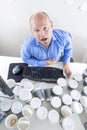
(14, 28)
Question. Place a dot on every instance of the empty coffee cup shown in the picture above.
(56, 102)
(5, 105)
(77, 77)
(48, 93)
(24, 81)
(73, 84)
(62, 82)
(57, 90)
(27, 111)
(85, 73)
(11, 121)
(23, 123)
(11, 83)
(42, 113)
(16, 90)
(85, 90)
(68, 123)
(53, 116)
(66, 111)
(16, 107)
(83, 101)
(66, 99)
(25, 95)
(76, 107)
(75, 94)
(39, 94)
(85, 81)
(35, 102)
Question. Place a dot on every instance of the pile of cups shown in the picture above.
(22, 123)
(61, 100)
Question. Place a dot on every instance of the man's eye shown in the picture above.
(45, 28)
(36, 30)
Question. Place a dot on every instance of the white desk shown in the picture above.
(36, 124)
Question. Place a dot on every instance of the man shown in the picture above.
(46, 45)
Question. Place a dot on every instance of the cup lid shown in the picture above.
(77, 77)
(75, 94)
(35, 102)
(61, 82)
(16, 107)
(66, 111)
(27, 111)
(53, 116)
(56, 102)
(11, 83)
(68, 123)
(57, 90)
(25, 95)
(67, 99)
(76, 107)
(73, 84)
(16, 90)
(42, 113)
(5, 105)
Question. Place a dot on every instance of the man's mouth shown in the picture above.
(44, 39)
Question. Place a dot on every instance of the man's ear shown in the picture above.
(51, 22)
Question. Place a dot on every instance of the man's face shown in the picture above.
(41, 28)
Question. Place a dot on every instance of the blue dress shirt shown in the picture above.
(35, 54)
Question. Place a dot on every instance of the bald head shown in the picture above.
(39, 15)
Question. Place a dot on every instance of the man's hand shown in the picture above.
(67, 70)
(51, 61)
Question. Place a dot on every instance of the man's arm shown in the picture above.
(67, 54)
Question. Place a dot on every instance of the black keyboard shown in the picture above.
(44, 74)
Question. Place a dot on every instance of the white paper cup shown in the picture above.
(75, 94)
(24, 81)
(56, 102)
(66, 99)
(11, 121)
(25, 95)
(42, 113)
(57, 90)
(27, 111)
(11, 83)
(85, 90)
(23, 123)
(16, 90)
(53, 116)
(5, 105)
(35, 102)
(68, 123)
(83, 101)
(77, 77)
(39, 94)
(76, 107)
(66, 111)
(73, 84)
(48, 93)
(61, 82)
(16, 107)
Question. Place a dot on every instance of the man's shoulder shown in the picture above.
(29, 40)
(61, 33)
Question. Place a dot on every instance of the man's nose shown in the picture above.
(42, 32)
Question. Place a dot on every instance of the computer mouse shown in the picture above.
(16, 69)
